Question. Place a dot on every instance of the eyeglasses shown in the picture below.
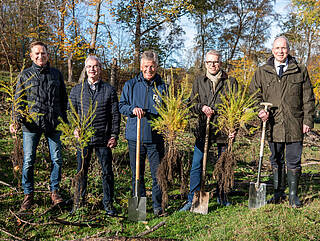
(212, 62)
(92, 66)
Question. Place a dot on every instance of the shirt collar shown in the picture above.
(277, 63)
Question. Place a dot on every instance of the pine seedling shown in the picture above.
(236, 110)
(174, 114)
(83, 123)
(19, 107)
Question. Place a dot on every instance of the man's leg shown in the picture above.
(104, 155)
(278, 170)
(293, 157)
(30, 143)
(195, 173)
(83, 160)
(56, 164)
(155, 154)
(132, 155)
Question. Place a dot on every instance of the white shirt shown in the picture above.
(277, 64)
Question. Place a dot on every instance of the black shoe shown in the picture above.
(158, 212)
(110, 211)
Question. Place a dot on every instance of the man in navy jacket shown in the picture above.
(138, 100)
(106, 124)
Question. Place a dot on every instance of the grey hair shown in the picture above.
(283, 37)
(92, 57)
(214, 52)
(150, 55)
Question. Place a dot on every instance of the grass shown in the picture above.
(236, 222)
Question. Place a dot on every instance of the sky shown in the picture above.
(281, 7)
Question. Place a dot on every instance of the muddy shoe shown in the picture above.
(27, 202)
(56, 198)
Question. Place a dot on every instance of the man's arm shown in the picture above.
(125, 107)
(308, 103)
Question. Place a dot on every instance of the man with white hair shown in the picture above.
(138, 100)
(286, 84)
(106, 125)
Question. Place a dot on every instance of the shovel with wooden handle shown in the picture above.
(200, 199)
(137, 206)
(258, 191)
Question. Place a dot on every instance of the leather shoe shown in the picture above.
(27, 202)
(56, 198)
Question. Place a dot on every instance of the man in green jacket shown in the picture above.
(286, 84)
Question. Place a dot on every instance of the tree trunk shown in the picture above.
(70, 75)
(137, 40)
(93, 38)
(113, 78)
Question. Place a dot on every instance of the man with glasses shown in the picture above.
(42, 88)
(206, 91)
(106, 124)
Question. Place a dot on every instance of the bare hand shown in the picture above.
(138, 112)
(263, 115)
(112, 142)
(14, 127)
(305, 129)
(232, 135)
(207, 111)
(76, 133)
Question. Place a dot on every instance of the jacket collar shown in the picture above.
(292, 64)
(157, 79)
(41, 69)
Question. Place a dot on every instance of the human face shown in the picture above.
(93, 70)
(280, 50)
(213, 64)
(148, 69)
(39, 55)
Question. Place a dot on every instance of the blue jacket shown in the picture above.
(139, 92)
(107, 117)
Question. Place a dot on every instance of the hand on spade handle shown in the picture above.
(264, 115)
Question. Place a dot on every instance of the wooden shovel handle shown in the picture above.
(205, 154)
(138, 152)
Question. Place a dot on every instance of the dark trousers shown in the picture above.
(292, 150)
(104, 155)
(155, 152)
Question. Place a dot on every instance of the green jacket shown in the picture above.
(292, 98)
(201, 95)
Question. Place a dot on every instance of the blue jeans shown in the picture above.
(30, 144)
(104, 155)
(155, 152)
(196, 169)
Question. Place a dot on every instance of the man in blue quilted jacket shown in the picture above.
(138, 100)
(106, 125)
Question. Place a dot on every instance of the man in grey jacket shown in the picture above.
(286, 84)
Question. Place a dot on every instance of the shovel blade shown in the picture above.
(200, 202)
(137, 209)
(257, 195)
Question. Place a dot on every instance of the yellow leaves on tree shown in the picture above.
(243, 70)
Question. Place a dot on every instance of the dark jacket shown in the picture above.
(107, 117)
(292, 98)
(46, 96)
(139, 92)
(202, 94)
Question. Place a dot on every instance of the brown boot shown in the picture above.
(56, 198)
(27, 202)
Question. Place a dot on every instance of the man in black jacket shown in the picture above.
(206, 91)
(44, 92)
(106, 125)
